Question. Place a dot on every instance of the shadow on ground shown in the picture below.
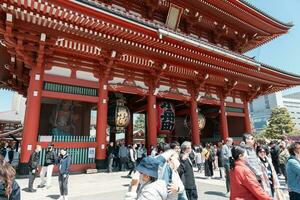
(53, 196)
(215, 193)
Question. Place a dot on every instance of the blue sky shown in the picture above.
(283, 52)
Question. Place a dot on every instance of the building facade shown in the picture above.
(261, 108)
(178, 62)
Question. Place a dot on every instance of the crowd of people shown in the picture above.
(249, 169)
(9, 188)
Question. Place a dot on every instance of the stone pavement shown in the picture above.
(112, 186)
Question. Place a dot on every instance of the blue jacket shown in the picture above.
(64, 164)
(293, 174)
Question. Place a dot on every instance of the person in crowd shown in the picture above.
(132, 159)
(147, 186)
(283, 157)
(214, 150)
(186, 172)
(154, 151)
(3, 151)
(116, 162)
(208, 164)
(50, 161)
(226, 149)
(275, 155)
(33, 167)
(199, 160)
(123, 155)
(169, 163)
(252, 159)
(175, 146)
(63, 175)
(141, 153)
(269, 180)
(110, 156)
(9, 188)
(243, 182)
(220, 158)
(10, 154)
(293, 171)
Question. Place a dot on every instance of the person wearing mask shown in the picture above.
(186, 172)
(33, 167)
(283, 157)
(63, 174)
(269, 181)
(252, 159)
(132, 160)
(9, 188)
(275, 155)
(293, 171)
(243, 182)
(110, 156)
(145, 184)
(226, 149)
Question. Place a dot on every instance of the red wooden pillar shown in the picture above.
(101, 125)
(223, 119)
(32, 118)
(194, 122)
(129, 131)
(151, 121)
(247, 118)
(33, 107)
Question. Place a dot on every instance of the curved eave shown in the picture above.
(263, 15)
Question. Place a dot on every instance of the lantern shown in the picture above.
(166, 118)
(201, 121)
(118, 114)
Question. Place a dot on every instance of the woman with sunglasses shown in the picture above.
(269, 180)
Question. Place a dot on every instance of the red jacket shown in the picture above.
(244, 185)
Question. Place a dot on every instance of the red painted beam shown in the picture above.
(70, 81)
(68, 144)
(72, 97)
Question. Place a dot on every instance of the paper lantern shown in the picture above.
(165, 118)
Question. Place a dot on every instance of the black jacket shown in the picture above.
(50, 158)
(186, 173)
(15, 194)
(34, 160)
(64, 164)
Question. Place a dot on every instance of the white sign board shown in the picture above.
(45, 138)
(92, 152)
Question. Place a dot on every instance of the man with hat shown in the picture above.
(147, 187)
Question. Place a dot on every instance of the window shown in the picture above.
(267, 102)
(251, 107)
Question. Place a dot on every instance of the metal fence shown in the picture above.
(78, 155)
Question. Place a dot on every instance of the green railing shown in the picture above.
(234, 109)
(70, 89)
(72, 138)
(78, 155)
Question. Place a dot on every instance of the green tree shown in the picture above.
(139, 122)
(280, 123)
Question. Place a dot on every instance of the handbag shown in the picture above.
(130, 164)
(278, 194)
